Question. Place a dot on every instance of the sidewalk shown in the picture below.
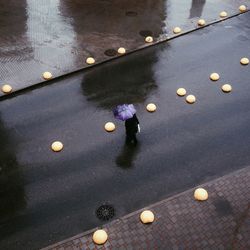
(221, 222)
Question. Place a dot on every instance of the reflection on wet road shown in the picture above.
(48, 39)
(12, 194)
(128, 155)
(118, 86)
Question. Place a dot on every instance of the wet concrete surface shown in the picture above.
(47, 197)
(58, 36)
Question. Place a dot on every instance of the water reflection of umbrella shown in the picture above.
(124, 111)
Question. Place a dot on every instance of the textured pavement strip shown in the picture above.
(36, 47)
(221, 222)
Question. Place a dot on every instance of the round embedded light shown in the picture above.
(147, 216)
(223, 14)
(149, 39)
(90, 60)
(244, 61)
(177, 30)
(121, 50)
(47, 75)
(201, 22)
(151, 107)
(243, 8)
(109, 126)
(214, 76)
(100, 237)
(181, 92)
(6, 88)
(226, 88)
(190, 99)
(57, 146)
(201, 194)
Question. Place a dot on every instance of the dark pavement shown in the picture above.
(58, 36)
(222, 222)
(47, 197)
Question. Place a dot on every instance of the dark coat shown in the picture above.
(131, 125)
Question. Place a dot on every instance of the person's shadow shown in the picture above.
(128, 154)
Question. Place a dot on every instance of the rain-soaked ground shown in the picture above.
(46, 196)
(58, 35)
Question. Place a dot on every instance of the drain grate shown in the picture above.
(105, 212)
(131, 13)
(110, 52)
(146, 33)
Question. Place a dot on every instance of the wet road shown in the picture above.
(58, 36)
(46, 196)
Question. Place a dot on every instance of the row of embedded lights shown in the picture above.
(100, 236)
(151, 107)
(57, 146)
(226, 88)
(6, 89)
(200, 22)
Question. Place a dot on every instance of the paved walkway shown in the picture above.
(33, 46)
(221, 222)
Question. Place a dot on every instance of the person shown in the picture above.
(132, 125)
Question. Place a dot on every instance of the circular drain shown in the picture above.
(146, 33)
(110, 52)
(131, 13)
(105, 212)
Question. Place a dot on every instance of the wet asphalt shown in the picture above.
(47, 196)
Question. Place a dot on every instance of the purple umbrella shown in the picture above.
(124, 111)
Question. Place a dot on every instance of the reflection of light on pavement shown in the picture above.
(176, 12)
(182, 13)
(50, 33)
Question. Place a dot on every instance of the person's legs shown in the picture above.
(134, 139)
(131, 138)
(128, 138)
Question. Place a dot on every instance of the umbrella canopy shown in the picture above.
(124, 111)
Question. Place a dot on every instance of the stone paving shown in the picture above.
(30, 45)
(221, 222)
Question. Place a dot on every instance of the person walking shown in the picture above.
(132, 127)
(126, 112)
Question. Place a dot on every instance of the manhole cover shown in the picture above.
(131, 13)
(110, 52)
(105, 212)
(146, 33)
